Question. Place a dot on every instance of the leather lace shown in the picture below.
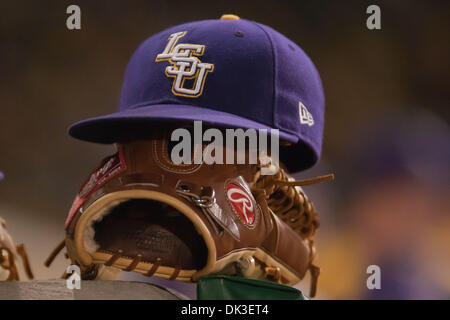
(8, 262)
(114, 257)
(289, 203)
(292, 206)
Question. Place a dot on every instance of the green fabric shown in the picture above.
(238, 288)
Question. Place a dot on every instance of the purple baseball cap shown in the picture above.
(230, 73)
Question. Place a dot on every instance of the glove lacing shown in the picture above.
(292, 206)
(8, 262)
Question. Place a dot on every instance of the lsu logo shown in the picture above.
(241, 202)
(185, 65)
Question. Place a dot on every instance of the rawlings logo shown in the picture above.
(241, 202)
(111, 167)
(185, 66)
(101, 174)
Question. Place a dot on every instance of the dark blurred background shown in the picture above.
(386, 134)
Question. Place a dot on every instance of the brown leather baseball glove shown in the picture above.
(138, 211)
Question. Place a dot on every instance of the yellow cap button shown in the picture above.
(229, 17)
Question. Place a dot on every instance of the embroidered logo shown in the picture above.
(305, 116)
(188, 71)
(241, 202)
(110, 167)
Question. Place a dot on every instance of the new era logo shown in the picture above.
(305, 116)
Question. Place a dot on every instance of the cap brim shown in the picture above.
(113, 127)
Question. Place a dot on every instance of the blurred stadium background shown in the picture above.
(386, 136)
